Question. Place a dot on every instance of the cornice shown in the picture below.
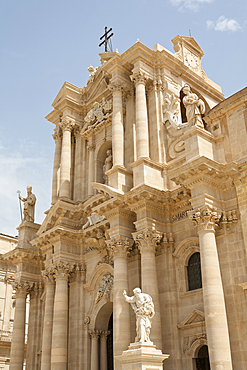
(203, 169)
(18, 255)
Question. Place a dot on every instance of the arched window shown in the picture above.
(194, 272)
(202, 360)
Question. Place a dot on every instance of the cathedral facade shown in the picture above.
(149, 190)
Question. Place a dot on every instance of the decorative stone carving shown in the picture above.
(67, 124)
(98, 113)
(108, 165)
(29, 205)
(105, 286)
(171, 111)
(143, 307)
(205, 218)
(96, 242)
(194, 106)
(22, 286)
(93, 219)
(138, 77)
(92, 70)
(119, 246)
(87, 320)
(94, 334)
(62, 269)
(147, 239)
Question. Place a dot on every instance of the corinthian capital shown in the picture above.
(67, 124)
(57, 136)
(119, 246)
(147, 240)
(22, 286)
(62, 269)
(205, 218)
(116, 86)
(138, 78)
(48, 275)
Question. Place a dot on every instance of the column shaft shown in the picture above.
(65, 163)
(47, 327)
(91, 169)
(103, 351)
(60, 324)
(142, 136)
(94, 351)
(78, 179)
(32, 341)
(117, 128)
(214, 304)
(18, 340)
(57, 161)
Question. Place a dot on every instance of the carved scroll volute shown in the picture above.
(206, 218)
(119, 246)
(62, 270)
(147, 240)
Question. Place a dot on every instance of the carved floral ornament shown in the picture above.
(105, 286)
(22, 286)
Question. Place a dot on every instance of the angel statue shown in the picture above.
(143, 307)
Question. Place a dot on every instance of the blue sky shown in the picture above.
(47, 42)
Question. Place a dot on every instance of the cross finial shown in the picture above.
(106, 39)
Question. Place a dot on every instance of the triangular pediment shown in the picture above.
(98, 87)
(190, 42)
(196, 317)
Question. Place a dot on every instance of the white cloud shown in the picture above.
(189, 4)
(224, 24)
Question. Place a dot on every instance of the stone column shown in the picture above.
(117, 125)
(48, 320)
(206, 220)
(94, 334)
(121, 310)
(18, 339)
(32, 340)
(91, 166)
(103, 349)
(67, 126)
(142, 136)
(147, 241)
(57, 160)
(78, 177)
(59, 351)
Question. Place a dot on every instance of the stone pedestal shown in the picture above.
(198, 142)
(27, 232)
(142, 356)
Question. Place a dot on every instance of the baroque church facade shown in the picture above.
(149, 190)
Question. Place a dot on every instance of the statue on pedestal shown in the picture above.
(29, 204)
(143, 307)
(194, 106)
(108, 164)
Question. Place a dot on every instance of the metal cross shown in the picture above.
(106, 38)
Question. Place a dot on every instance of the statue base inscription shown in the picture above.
(142, 356)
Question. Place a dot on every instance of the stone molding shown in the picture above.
(147, 240)
(106, 285)
(205, 218)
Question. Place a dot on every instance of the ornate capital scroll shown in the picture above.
(48, 275)
(147, 240)
(116, 86)
(78, 273)
(22, 287)
(57, 136)
(104, 334)
(94, 334)
(138, 78)
(205, 218)
(119, 246)
(62, 270)
(67, 124)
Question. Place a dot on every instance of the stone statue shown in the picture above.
(92, 72)
(29, 203)
(194, 107)
(108, 164)
(93, 219)
(143, 307)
